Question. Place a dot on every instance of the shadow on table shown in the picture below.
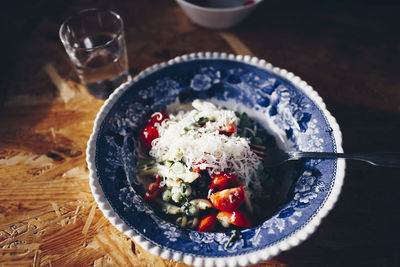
(364, 227)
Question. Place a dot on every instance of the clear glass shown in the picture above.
(95, 42)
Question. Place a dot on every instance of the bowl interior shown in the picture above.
(221, 3)
(288, 113)
(219, 6)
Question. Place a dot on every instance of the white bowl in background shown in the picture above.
(220, 15)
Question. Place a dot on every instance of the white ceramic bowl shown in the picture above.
(220, 17)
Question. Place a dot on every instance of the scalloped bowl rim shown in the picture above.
(238, 260)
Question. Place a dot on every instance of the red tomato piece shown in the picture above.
(223, 180)
(151, 195)
(149, 133)
(154, 188)
(228, 129)
(237, 218)
(248, 2)
(207, 223)
(228, 199)
(155, 185)
(158, 117)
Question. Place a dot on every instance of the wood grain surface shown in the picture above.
(349, 51)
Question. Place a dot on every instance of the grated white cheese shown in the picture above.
(183, 145)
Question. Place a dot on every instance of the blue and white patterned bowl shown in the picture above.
(290, 108)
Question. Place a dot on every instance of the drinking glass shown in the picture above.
(95, 42)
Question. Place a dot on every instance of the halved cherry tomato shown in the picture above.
(207, 223)
(156, 184)
(237, 218)
(228, 128)
(154, 189)
(223, 180)
(228, 199)
(152, 195)
(149, 133)
(158, 117)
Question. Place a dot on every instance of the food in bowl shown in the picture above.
(200, 170)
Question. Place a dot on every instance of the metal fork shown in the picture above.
(274, 157)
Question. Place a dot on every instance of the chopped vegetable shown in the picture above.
(223, 180)
(166, 196)
(227, 128)
(237, 218)
(189, 209)
(158, 117)
(176, 194)
(193, 223)
(207, 223)
(186, 190)
(181, 221)
(228, 199)
(149, 133)
(154, 189)
(169, 208)
(201, 203)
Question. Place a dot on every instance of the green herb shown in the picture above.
(235, 236)
(184, 188)
(202, 121)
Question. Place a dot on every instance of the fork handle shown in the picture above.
(378, 159)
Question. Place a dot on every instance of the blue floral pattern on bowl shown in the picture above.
(293, 111)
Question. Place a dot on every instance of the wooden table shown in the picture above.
(347, 50)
